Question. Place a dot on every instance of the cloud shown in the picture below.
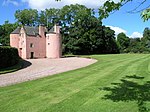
(43, 4)
(136, 35)
(6, 2)
(117, 30)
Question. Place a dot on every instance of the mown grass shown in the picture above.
(116, 83)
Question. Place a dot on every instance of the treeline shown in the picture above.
(134, 45)
(5, 31)
(82, 31)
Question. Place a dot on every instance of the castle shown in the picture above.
(37, 42)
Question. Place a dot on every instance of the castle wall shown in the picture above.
(14, 41)
(53, 46)
(37, 45)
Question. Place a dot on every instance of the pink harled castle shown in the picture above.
(37, 42)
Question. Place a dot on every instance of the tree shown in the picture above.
(110, 41)
(76, 23)
(146, 38)
(110, 6)
(135, 46)
(123, 42)
(84, 33)
(5, 31)
(27, 17)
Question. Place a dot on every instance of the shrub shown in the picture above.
(8, 56)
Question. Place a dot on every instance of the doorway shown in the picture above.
(32, 55)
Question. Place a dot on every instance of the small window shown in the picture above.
(31, 45)
(48, 43)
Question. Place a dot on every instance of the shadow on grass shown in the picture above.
(129, 90)
(25, 64)
(21, 65)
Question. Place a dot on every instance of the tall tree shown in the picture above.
(85, 33)
(146, 38)
(5, 31)
(123, 42)
(27, 17)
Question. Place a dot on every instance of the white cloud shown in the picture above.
(117, 30)
(6, 2)
(136, 35)
(43, 4)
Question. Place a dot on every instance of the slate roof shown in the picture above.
(31, 31)
(16, 31)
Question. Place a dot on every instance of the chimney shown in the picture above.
(56, 28)
(41, 30)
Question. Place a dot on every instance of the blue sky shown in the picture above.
(120, 21)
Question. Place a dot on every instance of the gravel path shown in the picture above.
(37, 68)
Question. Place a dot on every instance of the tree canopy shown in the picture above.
(5, 31)
(82, 31)
(110, 6)
(27, 16)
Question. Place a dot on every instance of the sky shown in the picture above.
(120, 21)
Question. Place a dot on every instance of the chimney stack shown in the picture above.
(41, 30)
(56, 28)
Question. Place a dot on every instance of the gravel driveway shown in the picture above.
(37, 68)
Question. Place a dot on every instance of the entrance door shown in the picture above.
(32, 55)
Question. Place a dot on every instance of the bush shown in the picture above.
(8, 56)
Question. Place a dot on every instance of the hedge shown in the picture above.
(8, 56)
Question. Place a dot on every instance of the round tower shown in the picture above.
(54, 43)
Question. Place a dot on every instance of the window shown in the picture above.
(48, 43)
(22, 42)
(31, 45)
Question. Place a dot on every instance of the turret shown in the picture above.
(54, 43)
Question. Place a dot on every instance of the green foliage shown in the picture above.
(134, 45)
(110, 44)
(8, 56)
(5, 31)
(145, 14)
(83, 33)
(111, 6)
(108, 7)
(123, 42)
(27, 16)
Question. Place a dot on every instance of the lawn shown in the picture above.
(116, 83)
